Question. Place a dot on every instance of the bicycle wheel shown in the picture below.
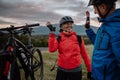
(2, 68)
(9, 70)
(37, 64)
(14, 73)
(24, 59)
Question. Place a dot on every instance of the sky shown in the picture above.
(20, 12)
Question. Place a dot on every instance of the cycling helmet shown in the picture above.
(66, 19)
(97, 2)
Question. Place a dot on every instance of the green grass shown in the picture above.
(49, 60)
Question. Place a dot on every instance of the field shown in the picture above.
(49, 60)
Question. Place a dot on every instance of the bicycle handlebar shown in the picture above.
(12, 27)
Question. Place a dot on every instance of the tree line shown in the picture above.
(37, 40)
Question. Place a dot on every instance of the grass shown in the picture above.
(49, 60)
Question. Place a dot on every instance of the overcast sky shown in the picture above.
(19, 12)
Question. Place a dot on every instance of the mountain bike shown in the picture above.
(36, 52)
(17, 56)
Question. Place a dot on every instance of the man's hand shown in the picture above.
(51, 28)
(87, 14)
(87, 24)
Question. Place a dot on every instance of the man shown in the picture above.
(106, 54)
(71, 51)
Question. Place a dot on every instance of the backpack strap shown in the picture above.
(59, 39)
(79, 39)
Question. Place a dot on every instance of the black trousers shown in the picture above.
(61, 75)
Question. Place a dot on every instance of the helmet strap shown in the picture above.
(61, 30)
(108, 11)
(99, 11)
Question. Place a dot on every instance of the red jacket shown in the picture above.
(70, 52)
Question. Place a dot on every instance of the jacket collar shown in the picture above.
(115, 16)
(72, 33)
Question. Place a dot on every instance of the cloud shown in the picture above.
(30, 11)
(24, 12)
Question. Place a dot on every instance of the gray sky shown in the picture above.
(19, 12)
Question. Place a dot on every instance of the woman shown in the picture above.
(70, 51)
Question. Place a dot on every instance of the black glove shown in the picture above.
(51, 28)
(87, 25)
(89, 76)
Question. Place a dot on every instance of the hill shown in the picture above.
(43, 30)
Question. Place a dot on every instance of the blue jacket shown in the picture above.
(106, 54)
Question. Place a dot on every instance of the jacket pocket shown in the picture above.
(104, 42)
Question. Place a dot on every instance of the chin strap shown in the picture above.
(108, 11)
(99, 11)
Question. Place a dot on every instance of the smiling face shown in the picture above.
(67, 27)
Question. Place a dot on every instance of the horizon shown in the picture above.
(43, 30)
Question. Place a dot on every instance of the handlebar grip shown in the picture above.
(31, 25)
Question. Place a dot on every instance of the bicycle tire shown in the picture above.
(14, 71)
(2, 67)
(37, 66)
(26, 68)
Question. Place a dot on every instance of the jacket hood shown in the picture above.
(114, 17)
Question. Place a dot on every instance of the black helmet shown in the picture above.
(97, 2)
(66, 19)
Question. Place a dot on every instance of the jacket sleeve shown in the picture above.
(52, 43)
(116, 48)
(85, 56)
(91, 34)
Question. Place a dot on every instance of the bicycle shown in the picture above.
(28, 31)
(20, 56)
